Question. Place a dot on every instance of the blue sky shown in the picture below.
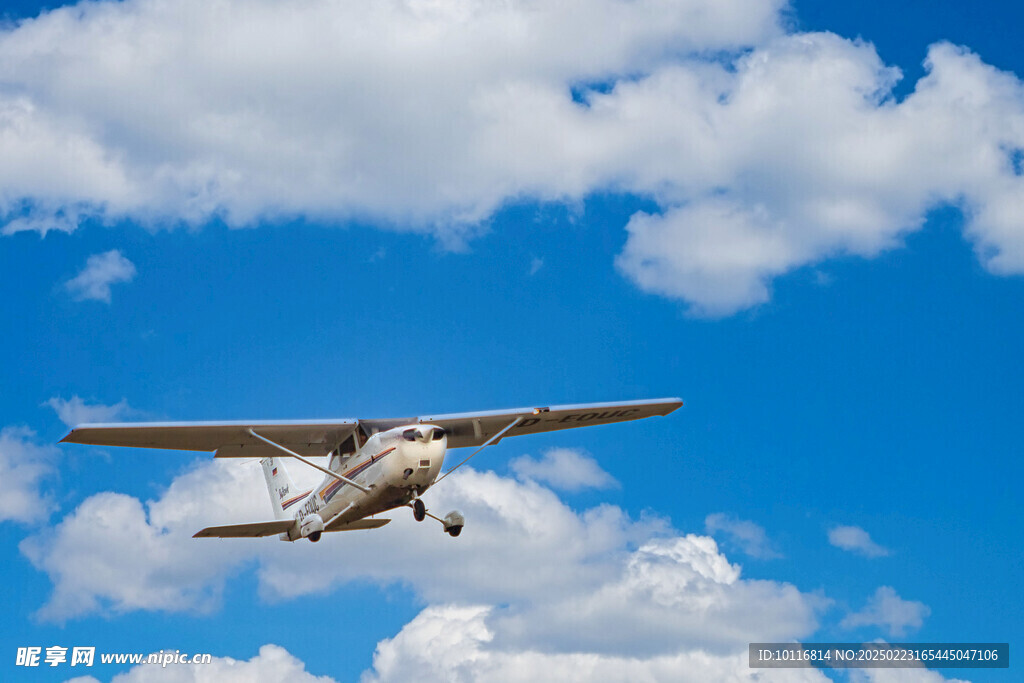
(823, 261)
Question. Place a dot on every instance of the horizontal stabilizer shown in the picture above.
(251, 530)
(359, 524)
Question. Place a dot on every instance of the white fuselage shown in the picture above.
(396, 466)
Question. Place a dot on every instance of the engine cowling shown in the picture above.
(312, 526)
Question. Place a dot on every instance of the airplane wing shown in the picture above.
(319, 437)
(229, 439)
(251, 530)
(474, 429)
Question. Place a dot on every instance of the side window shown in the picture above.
(348, 446)
(343, 452)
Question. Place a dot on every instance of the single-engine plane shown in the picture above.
(372, 465)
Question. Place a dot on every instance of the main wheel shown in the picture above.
(419, 510)
(315, 536)
(454, 531)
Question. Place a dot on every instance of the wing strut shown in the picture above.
(310, 463)
(486, 444)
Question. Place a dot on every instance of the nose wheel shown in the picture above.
(452, 522)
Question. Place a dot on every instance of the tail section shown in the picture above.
(280, 486)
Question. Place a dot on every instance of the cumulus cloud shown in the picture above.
(778, 152)
(272, 665)
(24, 465)
(521, 542)
(116, 554)
(856, 540)
(812, 157)
(100, 272)
(543, 580)
(749, 537)
(669, 594)
(566, 469)
(454, 643)
(395, 110)
(75, 411)
(886, 609)
(176, 572)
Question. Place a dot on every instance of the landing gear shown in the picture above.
(315, 536)
(453, 523)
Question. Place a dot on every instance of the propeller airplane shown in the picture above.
(373, 465)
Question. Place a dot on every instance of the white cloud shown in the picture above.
(566, 469)
(101, 271)
(456, 643)
(669, 595)
(806, 156)
(273, 664)
(889, 611)
(115, 554)
(856, 540)
(749, 537)
(547, 582)
(429, 116)
(521, 542)
(453, 643)
(75, 411)
(536, 263)
(24, 465)
(183, 111)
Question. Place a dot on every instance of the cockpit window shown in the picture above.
(438, 434)
(362, 435)
(347, 446)
(409, 435)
